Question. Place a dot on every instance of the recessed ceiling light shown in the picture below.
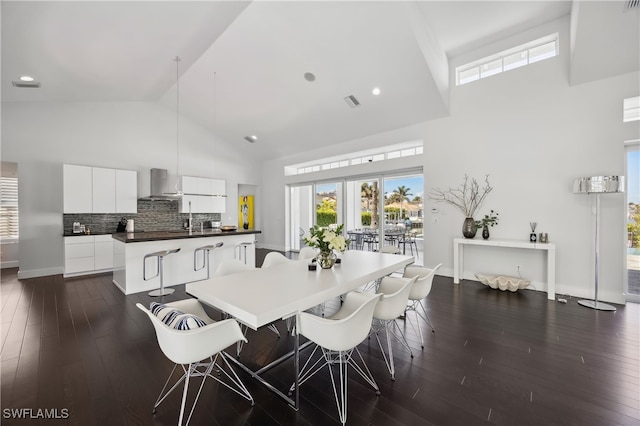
(251, 139)
(26, 78)
(376, 91)
(26, 84)
(309, 76)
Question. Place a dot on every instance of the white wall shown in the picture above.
(40, 137)
(533, 134)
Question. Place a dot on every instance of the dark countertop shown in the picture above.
(137, 237)
(80, 234)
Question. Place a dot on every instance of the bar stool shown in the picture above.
(205, 261)
(242, 250)
(160, 255)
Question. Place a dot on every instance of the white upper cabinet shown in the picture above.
(126, 191)
(219, 188)
(77, 189)
(104, 190)
(190, 184)
(99, 190)
(198, 191)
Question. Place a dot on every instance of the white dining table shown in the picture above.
(260, 296)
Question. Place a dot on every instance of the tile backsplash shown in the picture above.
(159, 215)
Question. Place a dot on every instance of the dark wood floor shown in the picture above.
(496, 358)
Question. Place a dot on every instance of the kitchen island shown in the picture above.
(130, 248)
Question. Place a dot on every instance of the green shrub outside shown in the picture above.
(365, 218)
(325, 218)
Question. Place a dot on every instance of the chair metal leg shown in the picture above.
(426, 317)
(233, 378)
(273, 328)
(388, 359)
(204, 370)
(240, 343)
(364, 370)
(343, 359)
(416, 306)
(341, 399)
(184, 396)
(163, 395)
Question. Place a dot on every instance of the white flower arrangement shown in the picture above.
(327, 239)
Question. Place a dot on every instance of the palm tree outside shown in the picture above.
(400, 195)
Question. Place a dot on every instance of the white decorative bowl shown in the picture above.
(503, 282)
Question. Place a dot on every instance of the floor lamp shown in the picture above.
(598, 185)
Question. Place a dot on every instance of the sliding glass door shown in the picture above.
(301, 214)
(377, 211)
(328, 203)
(633, 222)
(313, 204)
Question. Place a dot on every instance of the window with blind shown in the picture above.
(9, 201)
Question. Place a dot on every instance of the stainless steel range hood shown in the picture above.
(160, 190)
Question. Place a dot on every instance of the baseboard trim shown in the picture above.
(35, 273)
(10, 264)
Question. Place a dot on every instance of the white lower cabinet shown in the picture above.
(86, 254)
(103, 252)
(79, 254)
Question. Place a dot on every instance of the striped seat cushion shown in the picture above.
(188, 322)
(175, 318)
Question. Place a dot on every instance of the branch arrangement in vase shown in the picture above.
(467, 198)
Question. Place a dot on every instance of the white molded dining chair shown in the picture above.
(420, 290)
(373, 285)
(395, 293)
(274, 258)
(307, 253)
(233, 266)
(338, 338)
(389, 249)
(189, 347)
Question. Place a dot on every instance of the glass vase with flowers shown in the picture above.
(328, 240)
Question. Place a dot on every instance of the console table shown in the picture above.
(458, 257)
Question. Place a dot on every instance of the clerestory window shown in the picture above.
(519, 56)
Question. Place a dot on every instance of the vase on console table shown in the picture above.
(485, 232)
(326, 259)
(469, 228)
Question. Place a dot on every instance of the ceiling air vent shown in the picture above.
(352, 101)
(26, 84)
(631, 4)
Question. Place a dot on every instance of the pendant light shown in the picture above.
(215, 120)
(177, 192)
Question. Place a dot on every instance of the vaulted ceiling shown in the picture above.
(243, 64)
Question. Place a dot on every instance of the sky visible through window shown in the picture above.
(414, 183)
